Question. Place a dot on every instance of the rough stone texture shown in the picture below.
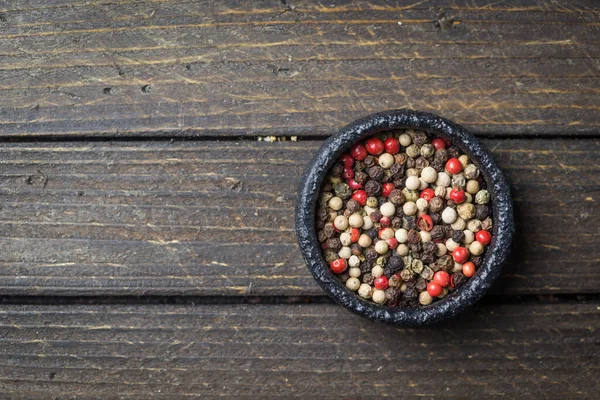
(497, 185)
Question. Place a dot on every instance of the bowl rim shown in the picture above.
(497, 185)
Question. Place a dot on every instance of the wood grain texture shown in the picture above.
(216, 218)
(320, 351)
(73, 68)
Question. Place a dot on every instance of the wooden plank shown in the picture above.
(78, 68)
(177, 352)
(216, 218)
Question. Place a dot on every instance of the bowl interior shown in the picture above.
(341, 142)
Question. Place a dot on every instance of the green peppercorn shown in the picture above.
(482, 197)
(413, 151)
(330, 255)
(466, 210)
(471, 171)
(459, 181)
(342, 190)
(410, 195)
(427, 150)
(417, 266)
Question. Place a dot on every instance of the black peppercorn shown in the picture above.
(400, 158)
(319, 224)
(365, 267)
(368, 279)
(361, 177)
(441, 155)
(458, 236)
(458, 279)
(376, 216)
(419, 138)
(409, 222)
(359, 166)
(437, 165)
(336, 170)
(321, 236)
(373, 188)
(445, 262)
(396, 197)
(392, 294)
(436, 218)
(333, 244)
(353, 206)
(481, 212)
(437, 232)
(375, 172)
(371, 254)
(453, 152)
(421, 284)
(436, 204)
(327, 187)
(428, 258)
(397, 223)
(411, 293)
(414, 236)
(329, 230)
(397, 170)
(410, 162)
(416, 249)
(356, 249)
(429, 248)
(372, 233)
(322, 214)
(421, 163)
(369, 161)
(393, 266)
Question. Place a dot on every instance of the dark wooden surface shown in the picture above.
(140, 205)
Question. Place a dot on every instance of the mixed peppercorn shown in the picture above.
(404, 218)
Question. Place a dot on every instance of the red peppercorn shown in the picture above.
(359, 152)
(457, 195)
(434, 289)
(453, 166)
(347, 160)
(442, 278)
(354, 185)
(338, 266)
(483, 237)
(387, 189)
(452, 281)
(425, 223)
(392, 243)
(360, 196)
(427, 194)
(460, 254)
(447, 141)
(348, 173)
(438, 143)
(354, 235)
(468, 269)
(385, 221)
(381, 283)
(392, 145)
(374, 146)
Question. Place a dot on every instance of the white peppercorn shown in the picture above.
(443, 179)
(377, 271)
(364, 291)
(425, 298)
(409, 208)
(381, 247)
(386, 233)
(476, 248)
(379, 296)
(412, 183)
(429, 175)
(354, 272)
(401, 235)
(441, 249)
(451, 245)
(405, 140)
(482, 197)
(345, 252)
(422, 204)
(440, 191)
(449, 215)
(345, 239)
(335, 203)
(367, 223)
(386, 160)
(469, 236)
(474, 225)
(387, 209)
(457, 267)
(340, 222)
(472, 186)
(424, 185)
(425, 236)
(468, 197)
(353, 284)
(364, 240)
(412, 172)
(356, 220)
(459, 224)
(353, 261)
(402, 250)
(464, 160)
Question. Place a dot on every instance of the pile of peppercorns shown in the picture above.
(404, 218)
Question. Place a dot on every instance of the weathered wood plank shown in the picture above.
(177, 352)
(208, 218)
(78, 68)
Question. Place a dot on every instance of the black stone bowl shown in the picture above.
(495, 255)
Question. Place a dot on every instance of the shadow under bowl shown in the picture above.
(502, 209)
